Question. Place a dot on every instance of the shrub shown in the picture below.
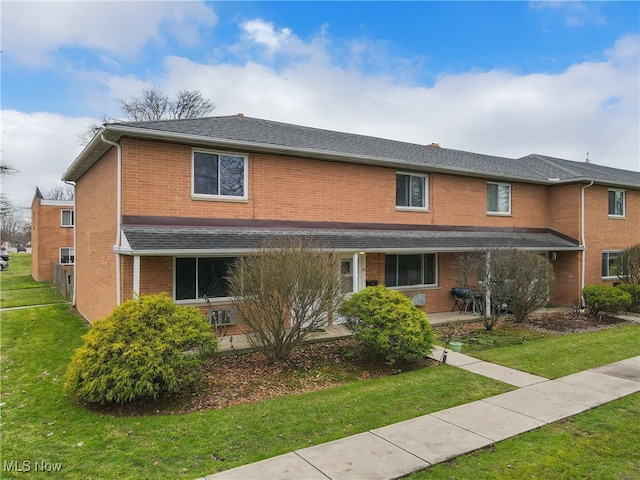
(144, 348)
(632, 289)
(388, 325)
(605, 298)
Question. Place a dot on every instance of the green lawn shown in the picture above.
(40, 424)
(18, 288)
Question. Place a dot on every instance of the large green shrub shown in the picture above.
(604, 298)
(388, 325)
(144, 348)
(632, 289)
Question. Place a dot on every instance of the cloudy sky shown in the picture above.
(501, 78)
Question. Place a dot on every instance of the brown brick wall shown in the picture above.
(47, 236)
(605, 233)
(157, 182)
(95, 237)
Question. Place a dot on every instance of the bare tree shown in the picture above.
(284, 292)
(61, 192)
(628, 265)
(517, 281)
(153, 104)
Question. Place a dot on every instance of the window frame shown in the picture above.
(73, 218)
(608, 254)
(71, 253)
(213, 300)
(498, 212)
(422, 272)
(219, 197)
(425, 191)
(624, 203)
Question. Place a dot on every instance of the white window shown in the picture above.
(67, 256)
(412, 191)
(616, 203)
(412, 269)
(611, 265)
(67, 219)
(196, 278)
(219, 176)
(499, 198)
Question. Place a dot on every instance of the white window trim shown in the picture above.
(223, 198)
(503, 214)
(215, 301)
(60, 255)
(609, 277)
(624, 203)
(420, 285)
(73, 218)
(426, 193)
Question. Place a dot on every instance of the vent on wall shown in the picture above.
(222, 317)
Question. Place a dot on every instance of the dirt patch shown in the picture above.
(248, 378)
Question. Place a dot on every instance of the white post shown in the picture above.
(136, 276)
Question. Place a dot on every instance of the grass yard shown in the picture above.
(40, 424)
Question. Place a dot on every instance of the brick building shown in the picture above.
(52, 225)
(167, 205)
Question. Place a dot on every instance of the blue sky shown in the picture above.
(502, 78)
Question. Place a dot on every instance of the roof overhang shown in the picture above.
(96, 148)
(189, 240)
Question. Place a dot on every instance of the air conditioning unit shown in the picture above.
(219, 318)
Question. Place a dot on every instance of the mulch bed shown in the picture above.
(249, 378)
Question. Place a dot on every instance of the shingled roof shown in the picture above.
(172, 240)
(258, 135)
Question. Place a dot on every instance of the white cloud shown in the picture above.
(41, 146)
(34, 32)
(591, 107)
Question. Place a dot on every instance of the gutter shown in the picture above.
(116, 247)
(582, 238)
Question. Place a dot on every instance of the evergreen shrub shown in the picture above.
(146, 347)
(387, 325)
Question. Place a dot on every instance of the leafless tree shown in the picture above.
(153, 104)
(517, 281)
(284, 292)
(628, 265)
(61, 192)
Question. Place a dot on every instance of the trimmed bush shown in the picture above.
(632, 289)
(387, 325)
(144, 348)
(604, 298)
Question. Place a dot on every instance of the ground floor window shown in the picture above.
(611, 264)
(67, 256)
(196, 278)
(412, 269)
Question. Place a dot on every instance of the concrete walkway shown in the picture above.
(397, 450)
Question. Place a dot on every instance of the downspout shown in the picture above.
(583, 239)
(75, 219)
(118, 215)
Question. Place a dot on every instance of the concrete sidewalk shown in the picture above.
(400, 449)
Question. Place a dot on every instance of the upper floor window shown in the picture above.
(67, 218)
(67, 256)
(411, 191)
(196, 278)
(219, 175)
(413, 269)
(616, 203)
(499, 198)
